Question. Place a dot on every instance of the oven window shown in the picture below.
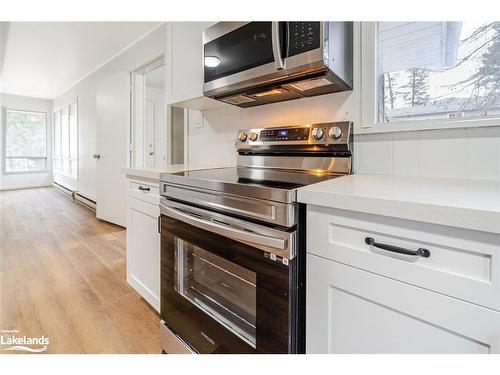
(220, 288)
(244, 48)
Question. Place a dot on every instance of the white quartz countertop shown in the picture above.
(154, 173)
(460, 203)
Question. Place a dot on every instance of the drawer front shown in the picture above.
(258, 209)
(463, 264)
(349, 310)
(145, 191)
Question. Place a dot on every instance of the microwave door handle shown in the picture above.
(275, 38)
(225, 230)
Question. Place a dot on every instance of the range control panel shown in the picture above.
(285, 134)
(312, 134)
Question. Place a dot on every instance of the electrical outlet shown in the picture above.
(197, 119)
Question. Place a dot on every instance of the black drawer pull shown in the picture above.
(143, 188)
(421, 252)
(159, 224)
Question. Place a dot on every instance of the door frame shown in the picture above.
(135, 85)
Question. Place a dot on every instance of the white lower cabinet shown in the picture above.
(365, 301)
(143, 245)
(354, 311)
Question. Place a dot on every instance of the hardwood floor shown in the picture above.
(63, 275)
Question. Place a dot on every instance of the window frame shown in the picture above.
(60, 156)
(369, 96)
(4, 143)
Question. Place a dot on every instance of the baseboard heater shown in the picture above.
(76, 196)
(63, 189)
(85, 201)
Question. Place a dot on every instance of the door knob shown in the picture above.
(96, 156)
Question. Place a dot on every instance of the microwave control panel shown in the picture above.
(303, 37)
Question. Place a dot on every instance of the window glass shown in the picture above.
(222, 289)
(73, 131)
(65, 161)
(438, 70)
(57, 133)
(25, 141)
(65, 132)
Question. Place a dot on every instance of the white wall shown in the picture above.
(13, 181)
(141, 52)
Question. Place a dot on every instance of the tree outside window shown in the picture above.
(25, 141)
(438, 70)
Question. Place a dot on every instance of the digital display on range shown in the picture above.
(273, 135)
(283, 133)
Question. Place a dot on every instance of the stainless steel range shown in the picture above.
(233, 242)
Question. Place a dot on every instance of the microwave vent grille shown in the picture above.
(238, 99)
(310, 84)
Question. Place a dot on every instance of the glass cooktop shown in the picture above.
(254, 182)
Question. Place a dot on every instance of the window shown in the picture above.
(65, 158)
(437, 71)
(25, 141)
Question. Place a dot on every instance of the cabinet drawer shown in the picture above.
(349, 310)
(145, 191)
(462, 263)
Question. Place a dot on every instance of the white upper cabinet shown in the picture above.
(184, 86)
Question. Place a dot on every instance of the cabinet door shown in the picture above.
(184, 60)
(143, 250)
(354, 311)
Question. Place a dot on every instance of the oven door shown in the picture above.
(241, 54)
(218, 294)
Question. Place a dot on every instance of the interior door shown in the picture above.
(149, 133)
(113, 112)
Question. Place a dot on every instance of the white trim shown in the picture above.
(369, 92)
(150, 31)
(400, 126)
(368, 74)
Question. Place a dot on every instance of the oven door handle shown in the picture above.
(226, 230)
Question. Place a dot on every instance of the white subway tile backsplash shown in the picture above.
(278, 114)
(374, 154)
(213, 144)
(442, 153)
(405, 154)
(483, 153)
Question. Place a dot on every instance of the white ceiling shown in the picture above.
(42, 59)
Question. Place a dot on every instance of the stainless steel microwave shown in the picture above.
(254, 63)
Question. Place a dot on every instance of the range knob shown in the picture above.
(242, 136)
(318, 133)
(253, 136)
(335, 132)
